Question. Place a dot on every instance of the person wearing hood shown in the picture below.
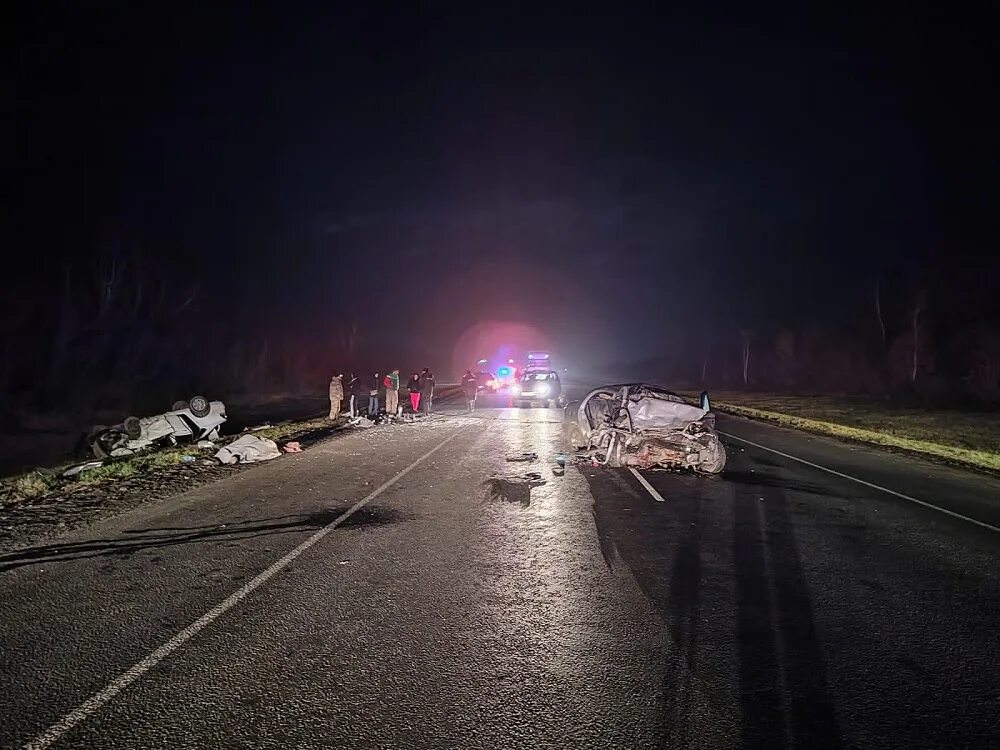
(392, 393)
(336, 395)
(413, 386)
(426, 390)
(470, 386)
(373, 387)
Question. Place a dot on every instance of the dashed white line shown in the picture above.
(82, 712)
(866, 484)
(649, 488)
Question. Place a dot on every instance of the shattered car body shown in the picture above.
(199, 419)
(644, 427)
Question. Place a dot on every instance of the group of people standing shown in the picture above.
(353, 391)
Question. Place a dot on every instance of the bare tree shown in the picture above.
(878, 311)
(746, 335)
(919, 303)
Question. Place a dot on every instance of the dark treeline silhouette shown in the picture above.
(128, 333)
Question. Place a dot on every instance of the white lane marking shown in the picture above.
(649, 488)
(866, 484)
(97, 700)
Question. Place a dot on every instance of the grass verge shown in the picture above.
(41, 482)
(967, 438)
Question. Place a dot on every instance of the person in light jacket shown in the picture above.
(336, 395)
(392, 392)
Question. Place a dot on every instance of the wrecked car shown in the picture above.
(644, 426)
(194, 420)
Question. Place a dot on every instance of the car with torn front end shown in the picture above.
(538, 385)
(193, 420)
(643, 426)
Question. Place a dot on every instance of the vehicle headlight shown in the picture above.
(515, 389)
(542, 389)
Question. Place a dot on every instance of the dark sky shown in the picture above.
(575, 170)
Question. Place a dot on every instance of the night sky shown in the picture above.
(618, 179)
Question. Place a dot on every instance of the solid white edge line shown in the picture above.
(99, 699)
(866, 484)
(649, 488)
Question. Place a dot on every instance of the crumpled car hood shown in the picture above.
(656, 413)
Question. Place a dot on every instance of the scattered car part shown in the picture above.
(73, 471)
(644, 427)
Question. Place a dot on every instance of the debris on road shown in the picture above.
(292, 447)
(513, 489)
(73, 471)
(247, 450)
(522, 456)
(361, 422)
(188, 459)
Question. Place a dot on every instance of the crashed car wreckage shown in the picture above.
(645, 427)
(194, 420)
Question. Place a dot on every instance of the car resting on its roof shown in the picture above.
(194, 420)
(645, 427)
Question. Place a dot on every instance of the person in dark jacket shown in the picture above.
(470, 387)
(356, 391)
(413, 386)
(373, 386)
(426, 390)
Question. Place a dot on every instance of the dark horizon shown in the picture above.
(636, 186)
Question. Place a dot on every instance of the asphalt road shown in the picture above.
(462, 605)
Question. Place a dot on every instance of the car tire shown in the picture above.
(716, 461)
(133, 427)
(179, 406)
(199, 406)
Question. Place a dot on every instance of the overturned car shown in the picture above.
(645, 427)
(194, 420)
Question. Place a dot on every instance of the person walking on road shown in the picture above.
(426, 390)
(354, 389)
(336, 395)
(373, 386)
(392, 393)
(413, 386)
(470, 387)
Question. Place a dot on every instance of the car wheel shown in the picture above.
(199, 406)
(179, 406)
(715, 462)
(133, 428)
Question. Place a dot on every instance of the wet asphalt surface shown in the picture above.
(468, 606)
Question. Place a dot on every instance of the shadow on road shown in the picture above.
(137, 540)
(784, 698)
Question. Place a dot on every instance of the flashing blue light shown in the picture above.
(503, 372)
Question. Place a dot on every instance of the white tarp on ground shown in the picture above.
(247, 450)
(656, 413)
